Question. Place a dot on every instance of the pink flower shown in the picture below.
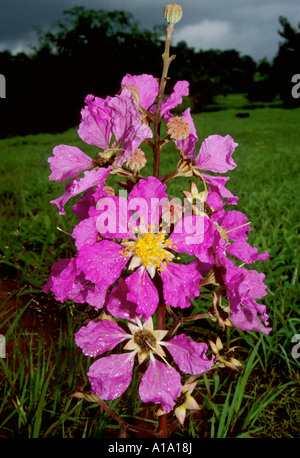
(68, 283)
(243, 286)
(111, 375)
(215, 154)
(142, 253)
(148, 89)
(114, 125)
(232, 226)
(142, 250)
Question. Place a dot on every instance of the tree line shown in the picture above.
(89, 51)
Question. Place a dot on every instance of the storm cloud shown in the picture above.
(249, 26)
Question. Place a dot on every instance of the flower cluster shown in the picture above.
(136, 249)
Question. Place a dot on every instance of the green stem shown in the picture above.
(157, 121)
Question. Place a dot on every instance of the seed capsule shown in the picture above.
(172, 13)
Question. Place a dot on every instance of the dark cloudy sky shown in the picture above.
(250, 26)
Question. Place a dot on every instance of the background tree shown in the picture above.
(287, 62)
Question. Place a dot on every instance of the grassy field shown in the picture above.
(43, 366)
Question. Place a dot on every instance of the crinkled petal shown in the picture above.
(160, 384)
(180, 283)
(78, 185)
(149, 195)
(142, 292)
(68, 161)
(247, 320)
(190, 356)
(113, 217)
(103, 262)
(218, 185)
(95, 126)
(194, 235)
(181, 88)
(216, 154)
(245, 252)
(97, 296)
(252, 284)
(97, 338)
(67, 282)
(231, 221)
(111, 375)
(127, 126)
(83, 205)
(118, 305)
(85, 232)
(147, 86)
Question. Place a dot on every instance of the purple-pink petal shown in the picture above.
(98, 337)
(180, 283)
(102, 263)
(231, 221)
(149, 195)
(110, 376)
(181, 88)
(113, 217)
(127, 126)
(160, 384)
(118, 305)
(245, 252)
(77, 185)
(147, 86)
(67, 282)
(142, 292)
(83, 205)
(97, 295)
(218, 185)
(85, 232)
(194, 235)
(248, 320)
(216, 154)
(95, 126)
(68, 161)
(190, 356)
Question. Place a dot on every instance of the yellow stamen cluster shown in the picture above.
(150, 249)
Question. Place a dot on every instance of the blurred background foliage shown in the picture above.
(89, 51)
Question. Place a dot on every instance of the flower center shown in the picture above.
(142, 337)
(150, 248)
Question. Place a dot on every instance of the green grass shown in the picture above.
(43, 366)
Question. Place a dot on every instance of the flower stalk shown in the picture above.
(167, 59)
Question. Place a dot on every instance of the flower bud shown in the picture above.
(178, 128)
(172, 13)
(137, 161)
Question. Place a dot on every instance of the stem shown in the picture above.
(179, 320)
(124, 426)
(170, 176)
(162, 428)
(157, 121)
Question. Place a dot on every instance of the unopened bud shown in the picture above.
(173, 13)
(137, 161)
(178, 128)
(110, 191)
